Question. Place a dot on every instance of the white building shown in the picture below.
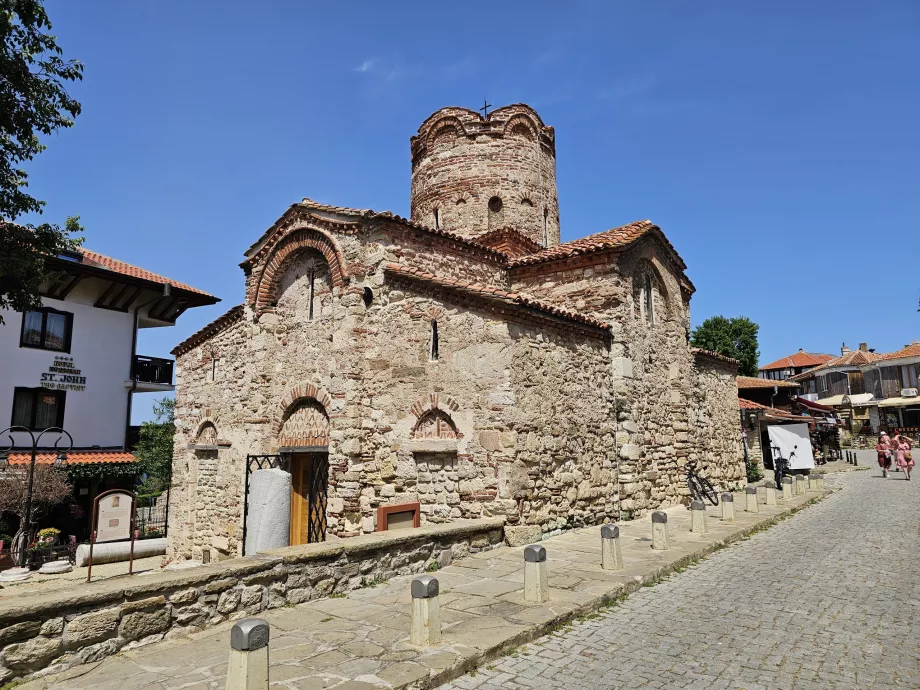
(73, 363)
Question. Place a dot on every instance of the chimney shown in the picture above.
(802, 350)
(864, 347)
(844, 350)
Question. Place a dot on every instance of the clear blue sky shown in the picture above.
(775, 143)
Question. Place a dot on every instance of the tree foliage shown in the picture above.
(734, 337)
(33, 103)
(155, 449)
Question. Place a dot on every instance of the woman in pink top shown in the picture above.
(905, 459)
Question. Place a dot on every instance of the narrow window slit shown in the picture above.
(312, 292)
(434, 340)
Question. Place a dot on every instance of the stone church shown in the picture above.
(460, 363)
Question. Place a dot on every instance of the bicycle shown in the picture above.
(701, 489)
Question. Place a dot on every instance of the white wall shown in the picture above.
(101, 350)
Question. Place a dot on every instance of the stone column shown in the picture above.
(799, 484)
(771, 493)
(611, 558)
(728, 507)
(536, 588)
(819, 482)
(787, 488)
(426, 612)
(698, 517)
(751, 505)
(248, 668)
(660, 538)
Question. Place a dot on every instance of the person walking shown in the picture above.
(883, 449)
(893, 444)
(905, 458)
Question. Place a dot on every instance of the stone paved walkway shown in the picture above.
(827, 599)
(361, 641)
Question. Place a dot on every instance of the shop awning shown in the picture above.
(815, 406)
(900, 402)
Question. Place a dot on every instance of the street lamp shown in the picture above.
(60, 460)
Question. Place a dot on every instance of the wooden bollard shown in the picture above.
(611, 557)
(771, 493)
(750, 494)
(787, 488)
(728, 507)
(248, 667)
(536, 588)
(660, 538)
(698, 517)
(426, 612)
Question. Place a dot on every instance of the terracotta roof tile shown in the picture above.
(217, 325)
(799, 359)
(754, 382)
(75, 457)
(615, 238)
(509, 241)
(912, 350)
(855, 358)
(700, 352)
(90, 257)
(750, 405)
(493, 293)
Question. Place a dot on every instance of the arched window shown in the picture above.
(368, 297)
(649, 299)
(496, 213)
(305, 288)
(545, 227)
(437, 220)
(433, 349)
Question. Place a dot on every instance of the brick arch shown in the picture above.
(517, 122)
(298, 396)
(438, 129)
(276, 262)
(434, 401)
(435, 423)
(200, 427)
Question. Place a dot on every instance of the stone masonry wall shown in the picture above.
(472, 174)
(531, 435)
(53, 632)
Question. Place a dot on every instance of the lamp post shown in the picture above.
(59, 461)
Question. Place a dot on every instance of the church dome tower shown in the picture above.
(473, 174)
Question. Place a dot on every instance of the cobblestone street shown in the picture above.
(829, 598)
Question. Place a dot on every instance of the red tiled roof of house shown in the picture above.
(912, 350)
(206, 331)
(615, 238)
(754, 382)
(751, 405)
(103, 261)
(855, 358)
(799, 359)
(74, 457)
(496, 294)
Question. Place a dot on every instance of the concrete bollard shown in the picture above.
(728, 507)
(799, 484)
(819, 482)
(536, 589)
(248, 667)
(611, 557)
(660, 538)
(751, 504)
(787, 488)
(426, 612)
(771, 493)
(698, 517)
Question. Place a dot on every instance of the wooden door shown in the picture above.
(309, 480)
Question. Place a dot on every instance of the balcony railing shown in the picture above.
(153, 370)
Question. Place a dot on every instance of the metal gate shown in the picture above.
(253, 463)
(318, 483)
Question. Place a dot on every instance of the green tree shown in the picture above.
(33, 103)
(735, 337)
(155, 448)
